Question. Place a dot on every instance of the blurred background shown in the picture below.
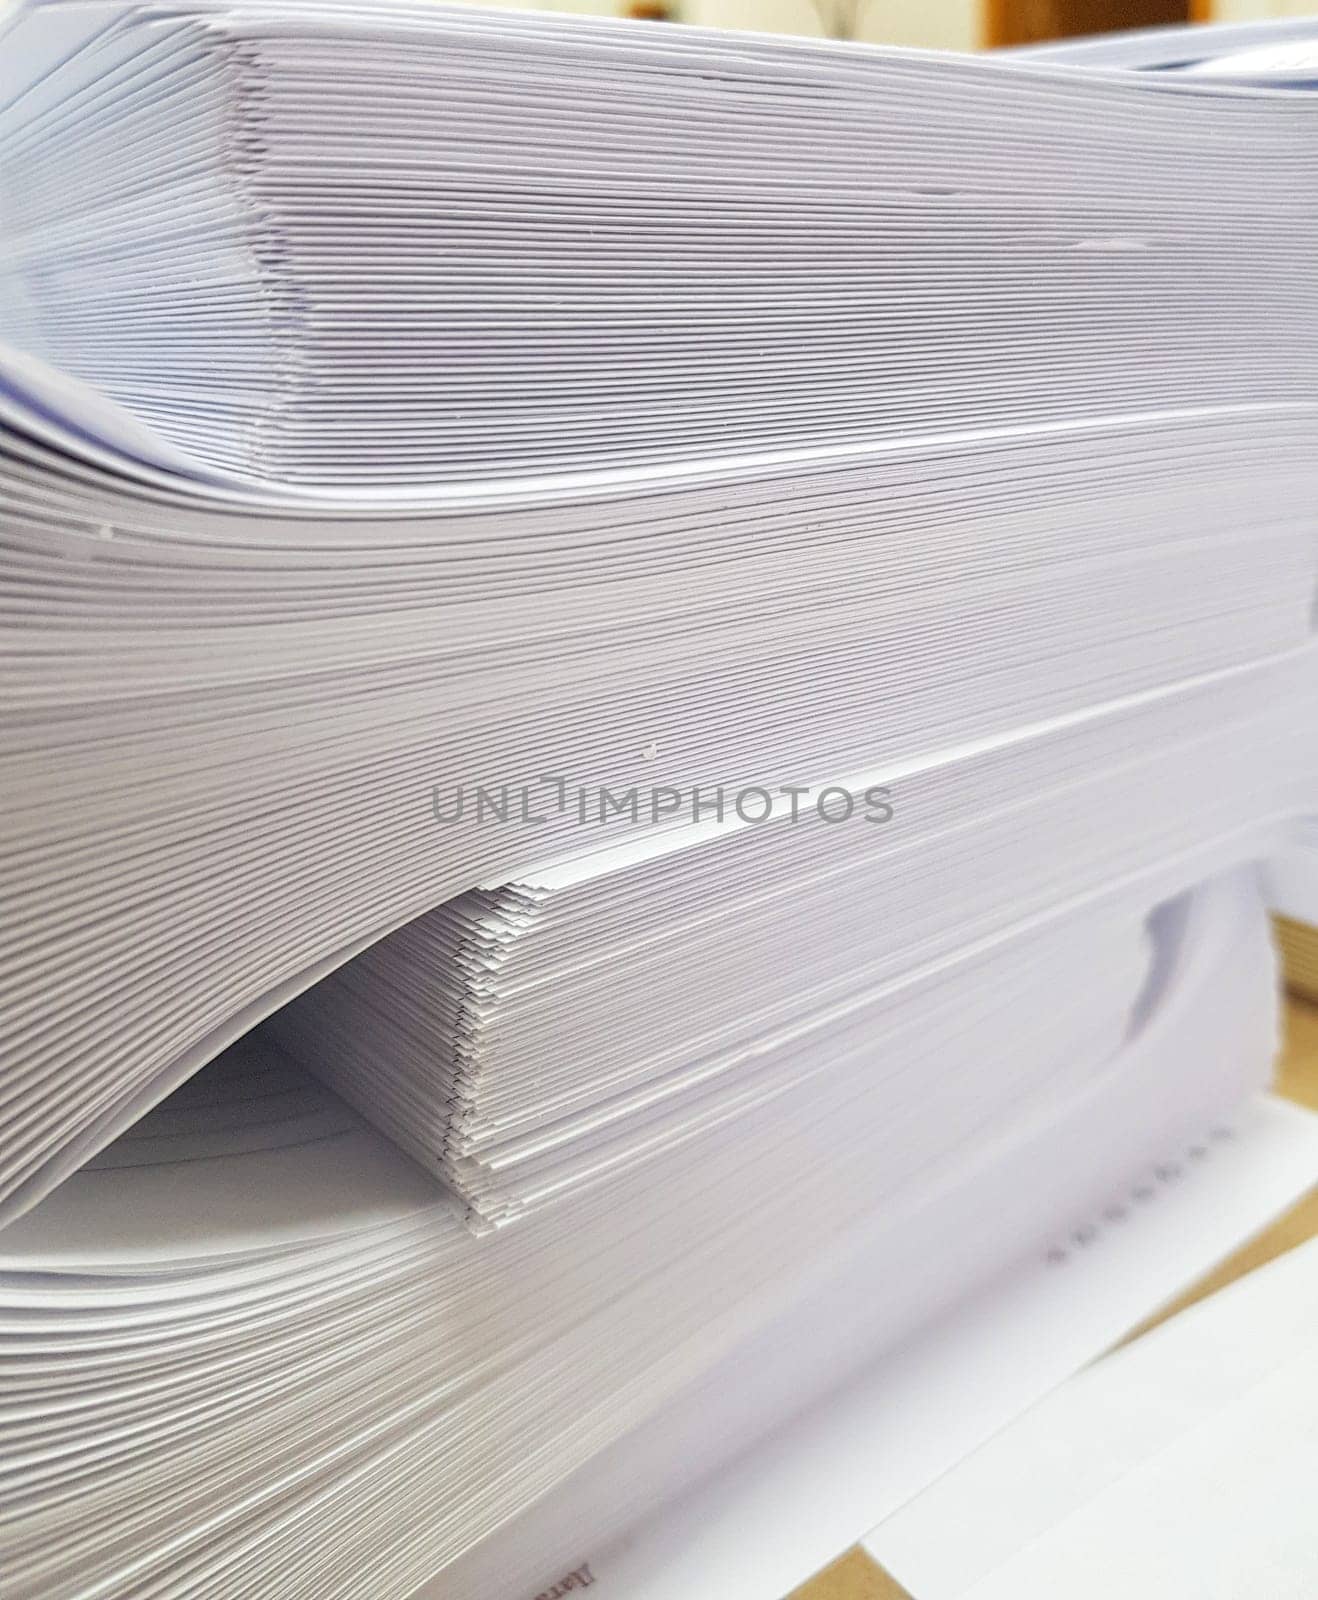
(926, 24)
(935, 24)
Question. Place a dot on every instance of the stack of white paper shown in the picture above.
(381, 249)
(546, 1032)
(743, 603)
(248, 1320)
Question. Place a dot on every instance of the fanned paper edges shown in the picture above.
(185, 397)
(192, 131)
(445, 452)
(485, 1048)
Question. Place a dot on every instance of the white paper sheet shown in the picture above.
(1179, 1466)
(804, 1498)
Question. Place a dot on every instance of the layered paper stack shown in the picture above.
(704, 634)
(1276, 56)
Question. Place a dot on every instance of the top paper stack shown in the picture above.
(396, 251)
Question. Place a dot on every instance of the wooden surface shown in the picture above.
(1298, 943)
(855, 1577)
(851, 1577)
(1008, 22)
